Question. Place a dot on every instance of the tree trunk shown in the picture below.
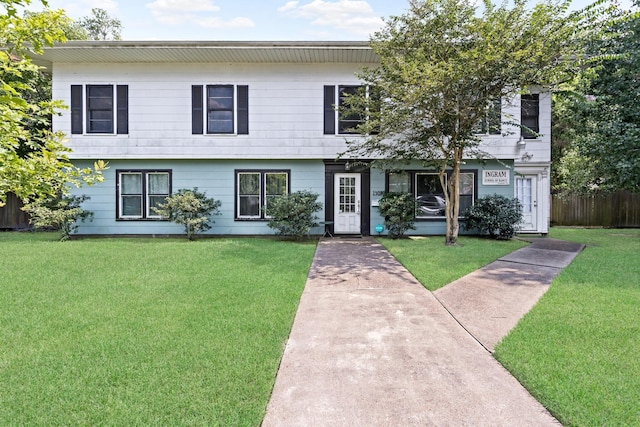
(453, 201)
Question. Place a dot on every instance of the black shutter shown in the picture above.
(122, 109)
(197, 125)
(243, 110)
(329, 112)
(76, 109)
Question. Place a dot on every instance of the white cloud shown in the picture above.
(355, 16)
(289, 6)
(196, 12)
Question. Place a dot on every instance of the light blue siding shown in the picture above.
(216, 177)
(437, 226)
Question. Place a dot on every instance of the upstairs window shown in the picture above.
(347, 123)
(105, 106)
(334, 118)
(224, 109)
(530, 115)
(491, 123)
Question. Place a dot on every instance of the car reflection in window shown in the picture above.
(431, 205)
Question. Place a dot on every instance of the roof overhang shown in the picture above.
(206, 52)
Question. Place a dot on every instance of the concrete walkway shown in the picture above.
(370, 346)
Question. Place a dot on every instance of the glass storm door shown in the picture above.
(347, 204)
(526, 193)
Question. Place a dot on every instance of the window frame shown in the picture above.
(412, 176)
(201, 109)
(89, 110)
(262, 191)
(333, 124)
(487, 124)
(209, 110)
(83, 118)
(145, 209)
(530, 112)
(341, 128)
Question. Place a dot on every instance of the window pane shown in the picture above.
(220, 103)
(97, 91)
(465, 202)
(347, 122)
(250, 206)
(221, 121)
(495, 117)
(154, 201)
(249, 183)
(429, 195)
(220, 91)
(466, 184)
(131, 183)
(158, 183)
(132, 206)
(398, 182)
(529, 112)
(276, 184)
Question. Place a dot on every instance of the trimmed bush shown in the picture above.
(399, 212)
(61, 213)
(293, 214)
(495, 215)
(190, 208)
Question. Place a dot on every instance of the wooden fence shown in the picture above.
(616, 210)
(11, 217)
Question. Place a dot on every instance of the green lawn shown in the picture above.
(578, 350)
(141, 331)
(436, 265)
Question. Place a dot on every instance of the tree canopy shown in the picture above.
(33, 161)
(442, 64)
(100, 26)
(597, 119)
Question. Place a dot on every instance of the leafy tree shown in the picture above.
(399, 212)
(293, 214)
(189, 208)
(441, 66)
(59, 213)
(101, 26)
(597, 126)
(33, 161)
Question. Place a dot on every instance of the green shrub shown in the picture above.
(190, 208)
(293, 214)
(399, 212)
(61, 213)
(496, 215)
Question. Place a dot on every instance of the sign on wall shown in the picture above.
(495, 177)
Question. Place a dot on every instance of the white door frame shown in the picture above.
(526, 190)
(347, 215)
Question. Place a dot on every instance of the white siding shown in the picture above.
(285, 111)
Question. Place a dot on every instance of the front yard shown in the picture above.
(143, 332)
(167, 332)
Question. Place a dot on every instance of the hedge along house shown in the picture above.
(246, 121)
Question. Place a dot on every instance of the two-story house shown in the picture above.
(245, 121)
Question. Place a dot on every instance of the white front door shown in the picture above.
(528, 196)
(347, 203)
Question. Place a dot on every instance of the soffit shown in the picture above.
(207, 52)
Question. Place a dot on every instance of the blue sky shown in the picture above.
(245, 19)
